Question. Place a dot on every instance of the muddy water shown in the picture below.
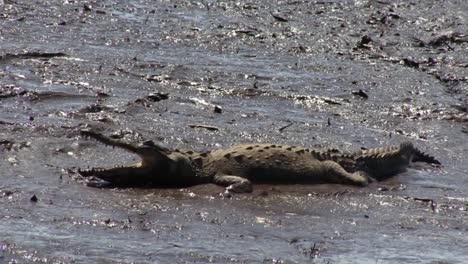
(284, 73)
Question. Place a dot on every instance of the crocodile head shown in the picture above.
(158, 165)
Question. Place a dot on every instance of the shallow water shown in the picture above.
(265, 75)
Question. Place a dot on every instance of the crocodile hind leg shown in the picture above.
(336, 173)
(234, 184)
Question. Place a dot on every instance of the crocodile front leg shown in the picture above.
(234, 184)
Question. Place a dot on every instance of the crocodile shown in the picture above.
(237, 167)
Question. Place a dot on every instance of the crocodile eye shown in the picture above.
(149, 143)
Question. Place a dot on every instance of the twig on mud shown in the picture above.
(30, 55)
(279, 17)
(312, 251)
(431, 202)
(339, 193)
(6, 123)
(122, 70)
(211, 128)
(284, 127)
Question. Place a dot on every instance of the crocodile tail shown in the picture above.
(423, 157)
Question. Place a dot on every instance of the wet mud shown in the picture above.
(209, 74)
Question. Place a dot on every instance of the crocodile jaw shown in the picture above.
(118, 174)
(154, 161)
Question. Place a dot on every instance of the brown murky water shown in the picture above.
(334, 74)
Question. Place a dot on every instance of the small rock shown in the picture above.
(87, 8)
(156, 97)
(13, 160)
(218, 109)
(34, 199)
(364, 42)
(360, 93)
(7, 193)
(294, 240)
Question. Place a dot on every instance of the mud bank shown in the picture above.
(332, 74)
